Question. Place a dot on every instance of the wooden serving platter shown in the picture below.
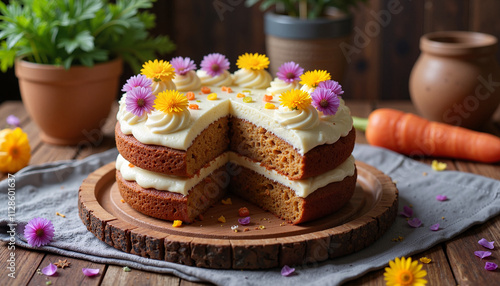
(266, 242)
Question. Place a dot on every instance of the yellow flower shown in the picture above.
(404, 272)
(295, 99)
(313, 78)
(158, 70)
(177, 223)
(252, 61)
(425, 260)
(438, 166)
(171, 101)
(15, 151)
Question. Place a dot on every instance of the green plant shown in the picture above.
(78, 32)
(310, 9)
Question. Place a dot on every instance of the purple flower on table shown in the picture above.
(183, 65)
(487, 244)
(140, 100)
(289, 72)
(434, 227)
(214, 64)
(39, 231)
(244, 221)
(331, 85)
(441, 198)
(325, 101)
(90, 272)
(13, 121)
(137, 81)
(482, 254)
(49, 270)
(407, 211)
(415, 222)
(490, 266)
(287, 270)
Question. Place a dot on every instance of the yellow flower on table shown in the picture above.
(404, 272)
(15, 150)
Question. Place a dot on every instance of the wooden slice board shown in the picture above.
(267, 241)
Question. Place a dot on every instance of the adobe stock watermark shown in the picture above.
(223, 6)
(11, 214)
(362, 38)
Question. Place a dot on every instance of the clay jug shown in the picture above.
(456, 79)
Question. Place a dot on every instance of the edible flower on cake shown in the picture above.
(185, 76)
(287, 78)
(171, 113)
(161, 73)
(252, 73)
(325, 101)
(311, 79)
(214, 70)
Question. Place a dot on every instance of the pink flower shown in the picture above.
(137, 81)
(140, 100)
(407, 211)
(331, 85)
(486, 243)
(325, 101)
(287, 270)
(182, 65)
(415, 222)
(490, 266)
(441, 198)
(482, 254)
(434, 227)
(49, 270)
(13, 121)
(289, 72)
(90, 272)
(214, 64)
(39, 232)
(244, 221)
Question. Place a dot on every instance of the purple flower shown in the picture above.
(90, 272)
(490, 266)
(331, 85)
(415, 222)
(39, 231)
(136, 81)
(482, 254)
(407, 211)
(486, 243)
(13, 120)
(287, 270)
(140, 100)
(289, 72)
(214, 64)
(244, 221)
(441, 198)
(49, 270)
(434, 227)
(182, 65)
(325, 101)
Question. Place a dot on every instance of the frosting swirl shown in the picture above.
(159, 86)
(297, 119)
(187, 82)
(252, 78)
(220, 80)
(165, 123)
(307, 88)
(124, 115)
(279, 86)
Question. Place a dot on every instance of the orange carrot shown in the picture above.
(412, 135)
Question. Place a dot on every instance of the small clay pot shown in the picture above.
(70, 106)
(456, 79)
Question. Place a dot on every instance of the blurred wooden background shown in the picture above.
(379, 71)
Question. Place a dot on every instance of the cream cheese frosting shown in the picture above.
(182, 185)
(258, 79)
(159, 86)
(165, 123)
(279, 86)
(327, 130)
(188, 82)
(223, 79)
(297, 119)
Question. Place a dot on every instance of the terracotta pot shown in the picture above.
(69, 106)
(313, 44)
(456, 79)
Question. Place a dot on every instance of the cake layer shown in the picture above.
(212, 142)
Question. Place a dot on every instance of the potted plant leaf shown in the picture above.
(307, 32)
(68, 57)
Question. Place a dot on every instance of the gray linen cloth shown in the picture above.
(49, 188)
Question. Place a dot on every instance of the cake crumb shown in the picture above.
(246, 229)
(221, 219)
(424, 174)
(227, 201)
(177, 223)
(442, 217)
(267, 192)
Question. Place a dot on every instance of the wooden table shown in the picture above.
(453, 262)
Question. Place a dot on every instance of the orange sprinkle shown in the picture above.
(199, 92)
(223, 88)
(177, 223)
(268, 98)
(190, 95)
(194, 106)
(229, 90)
(222, 219)
(61, 215)
(205, 89)
(122, 200)
(130, 165)
(240, 95)
(212, 96)
(269, 106)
